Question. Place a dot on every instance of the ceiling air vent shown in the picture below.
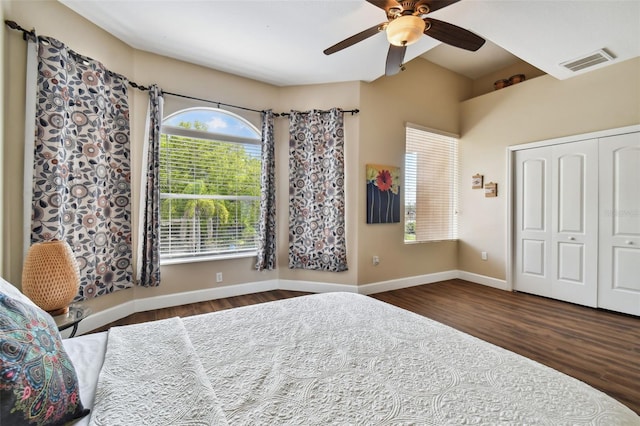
(587, 61)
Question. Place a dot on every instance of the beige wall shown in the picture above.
(183, 78)
(178, 77)
(537, 109)
(3, 5)
(424, 94)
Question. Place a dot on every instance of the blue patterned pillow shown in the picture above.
(38, 384)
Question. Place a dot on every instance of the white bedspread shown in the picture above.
(161, 375)
(342, 358)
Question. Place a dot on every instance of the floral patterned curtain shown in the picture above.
(316, 191)
(81, 170)
(148, 270)
(267, 222)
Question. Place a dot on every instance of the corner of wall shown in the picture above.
(3, 83)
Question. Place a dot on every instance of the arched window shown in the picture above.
(209, 184)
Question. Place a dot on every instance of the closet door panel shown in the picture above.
(572, 267)
(575, 221)
(534, 194)
(571, 192)
(626, 193)
(533, 257)
(625, 265)
(532, 225)
(619, 276)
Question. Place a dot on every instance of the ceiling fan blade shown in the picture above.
(384, 4)
(453, 35)
(394, 59)
(435, 4)
(363, 35)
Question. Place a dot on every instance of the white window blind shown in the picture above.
(431, 186)
(209, 193)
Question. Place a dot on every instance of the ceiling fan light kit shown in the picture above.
(406, 23)
(405, 30)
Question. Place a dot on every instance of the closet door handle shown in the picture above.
(572, 238)
(629, 242)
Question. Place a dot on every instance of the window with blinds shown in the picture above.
(431, 185)
(210, 165)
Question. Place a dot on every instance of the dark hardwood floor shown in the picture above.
(203, 307)
(598, 347)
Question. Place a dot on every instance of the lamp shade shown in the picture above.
(50, 276)
(405, 30)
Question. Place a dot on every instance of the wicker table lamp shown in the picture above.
(50, 276)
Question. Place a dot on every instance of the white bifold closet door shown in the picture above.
(619, 271)
(556, 222)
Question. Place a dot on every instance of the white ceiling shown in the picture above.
(281, 41)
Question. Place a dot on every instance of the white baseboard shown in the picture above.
(399, 283)
(316, 287)
(115, 313)
(484, 280)
(107, 316)
(122, 310)
(176, 299)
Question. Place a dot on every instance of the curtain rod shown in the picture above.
(212, 102)
(286, 114)
(26, 34)
(218, 103)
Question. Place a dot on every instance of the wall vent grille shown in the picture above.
(588, 61)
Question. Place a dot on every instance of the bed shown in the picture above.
(333, 358)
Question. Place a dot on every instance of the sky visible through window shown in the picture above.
(216, 121)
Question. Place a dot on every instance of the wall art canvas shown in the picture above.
(383, 194)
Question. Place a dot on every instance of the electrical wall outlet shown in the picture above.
(484, 255)
(376, 260)
(219, 277)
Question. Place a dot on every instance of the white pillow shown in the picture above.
(13, 292)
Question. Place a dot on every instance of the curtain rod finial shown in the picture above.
(12, 24)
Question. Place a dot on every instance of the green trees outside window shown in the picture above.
(210, 167)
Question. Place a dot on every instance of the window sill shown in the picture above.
(212, 258)
(431, 241)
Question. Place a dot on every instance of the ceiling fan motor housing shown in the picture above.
(405, 30)
(410, 7)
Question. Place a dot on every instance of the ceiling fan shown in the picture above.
(406, 22)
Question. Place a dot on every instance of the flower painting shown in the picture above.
(383, 194)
